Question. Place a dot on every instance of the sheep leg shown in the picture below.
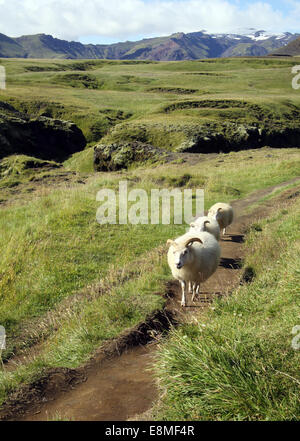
(183, 288)
(194, 292)
(190, 287)
(224, 231)
(196, 289)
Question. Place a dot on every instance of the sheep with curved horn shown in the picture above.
(193, 258)
(205, 223)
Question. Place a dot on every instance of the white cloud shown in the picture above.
(124, 19)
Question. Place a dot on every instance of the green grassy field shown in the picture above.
(53, 247)
(54, 252)
(121, 100)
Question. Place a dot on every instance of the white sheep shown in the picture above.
(206, 223)
(203, 223)
(223, 214)
(193, 258)
(187, 235)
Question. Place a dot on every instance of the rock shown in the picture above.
(233, 137)
(119, 156)
(204, 141)
(45, 138)
(187, 146)
(247, 133)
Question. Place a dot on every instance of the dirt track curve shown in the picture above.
(120, 386)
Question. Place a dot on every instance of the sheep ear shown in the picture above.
(170, 242)
(206, 222)
(219, 209)
(192, 224)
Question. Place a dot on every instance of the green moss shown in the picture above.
(167, 137)
(119, 156)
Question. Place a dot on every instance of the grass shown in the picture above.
(46, 254)
(53, 247)
(132, 96)
(237, 362)
(85, 325)
(81, 162)
(58, 417)
(15, 169)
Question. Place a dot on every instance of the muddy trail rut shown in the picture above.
(118, 384)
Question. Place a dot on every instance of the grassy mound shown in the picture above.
(77, 80)
(19, 168)
(18, 164)
(61, 67)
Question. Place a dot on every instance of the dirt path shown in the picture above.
(122, 386)
(114, 390)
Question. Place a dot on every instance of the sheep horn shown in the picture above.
(192, 240)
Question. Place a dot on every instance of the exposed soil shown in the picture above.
(117, 383)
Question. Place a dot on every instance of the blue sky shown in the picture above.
(108, 21)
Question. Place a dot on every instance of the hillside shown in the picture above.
(291, 49)
(178, 46)
(9, 48)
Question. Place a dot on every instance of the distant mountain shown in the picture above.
(178, 46)
(9, 48)
(291, 49)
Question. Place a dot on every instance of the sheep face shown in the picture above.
(182, 252)
(182, 257)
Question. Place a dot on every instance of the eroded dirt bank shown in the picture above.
(117, 384)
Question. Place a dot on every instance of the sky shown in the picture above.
(109, 21)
